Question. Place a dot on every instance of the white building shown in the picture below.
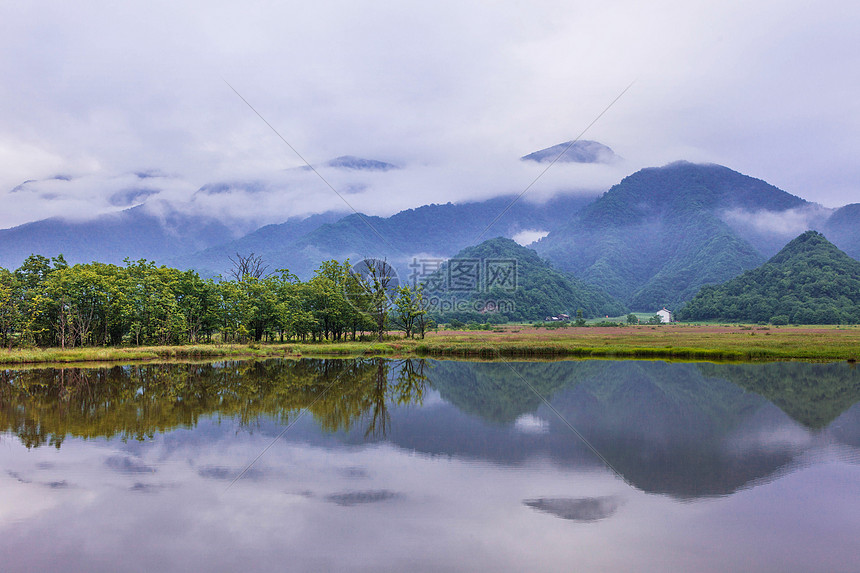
(665, 315)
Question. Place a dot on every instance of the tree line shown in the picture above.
(47, 302)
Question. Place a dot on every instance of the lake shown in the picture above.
(393, 465)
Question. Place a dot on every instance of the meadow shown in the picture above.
(676, 341)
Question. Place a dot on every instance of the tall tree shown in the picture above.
(248, 266)
(378, 283)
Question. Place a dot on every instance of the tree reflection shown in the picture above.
(407, 387)
(43, 406)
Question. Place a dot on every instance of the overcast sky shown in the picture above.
(454, 92)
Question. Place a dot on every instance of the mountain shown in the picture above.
(360, 164)
(656, 237)
(265, 241)
(651, 241)
(425, 234)
(843, 228)
(500, 276)
(135, 233)
(584, 151)
(809, 281)
(353, 163)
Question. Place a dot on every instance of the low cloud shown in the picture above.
(529, 236)
(788, 223)
(83, 197)
(271, 197)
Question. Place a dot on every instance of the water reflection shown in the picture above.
(412, 465)
(813, 394)
(43, 406)
(687, 430)
(586, 509)
(359, 497)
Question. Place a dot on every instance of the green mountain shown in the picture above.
(522, 285)
(662, 233)
(809, 281)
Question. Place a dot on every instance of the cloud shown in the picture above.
(81, 197)
(450, 91)
(529, 236)
(126, 464)
(787, 223)
(273, 196)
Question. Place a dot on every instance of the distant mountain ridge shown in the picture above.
(427, 232)
(359, 163)
(215, 260)
(134, 233)
(582, 151)
(299, 243)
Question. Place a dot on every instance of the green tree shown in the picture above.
(10, 300)
(378, 282)
(406, 310)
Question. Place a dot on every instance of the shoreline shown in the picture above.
(742, 343)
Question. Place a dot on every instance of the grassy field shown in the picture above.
(691, 342)
(707, 342)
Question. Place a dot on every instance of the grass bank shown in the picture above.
(690, 342)
(186, 352)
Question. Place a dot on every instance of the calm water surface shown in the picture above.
(424, 465)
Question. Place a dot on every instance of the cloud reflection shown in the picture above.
(585, 509)
(129, 465)
(351, 498)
